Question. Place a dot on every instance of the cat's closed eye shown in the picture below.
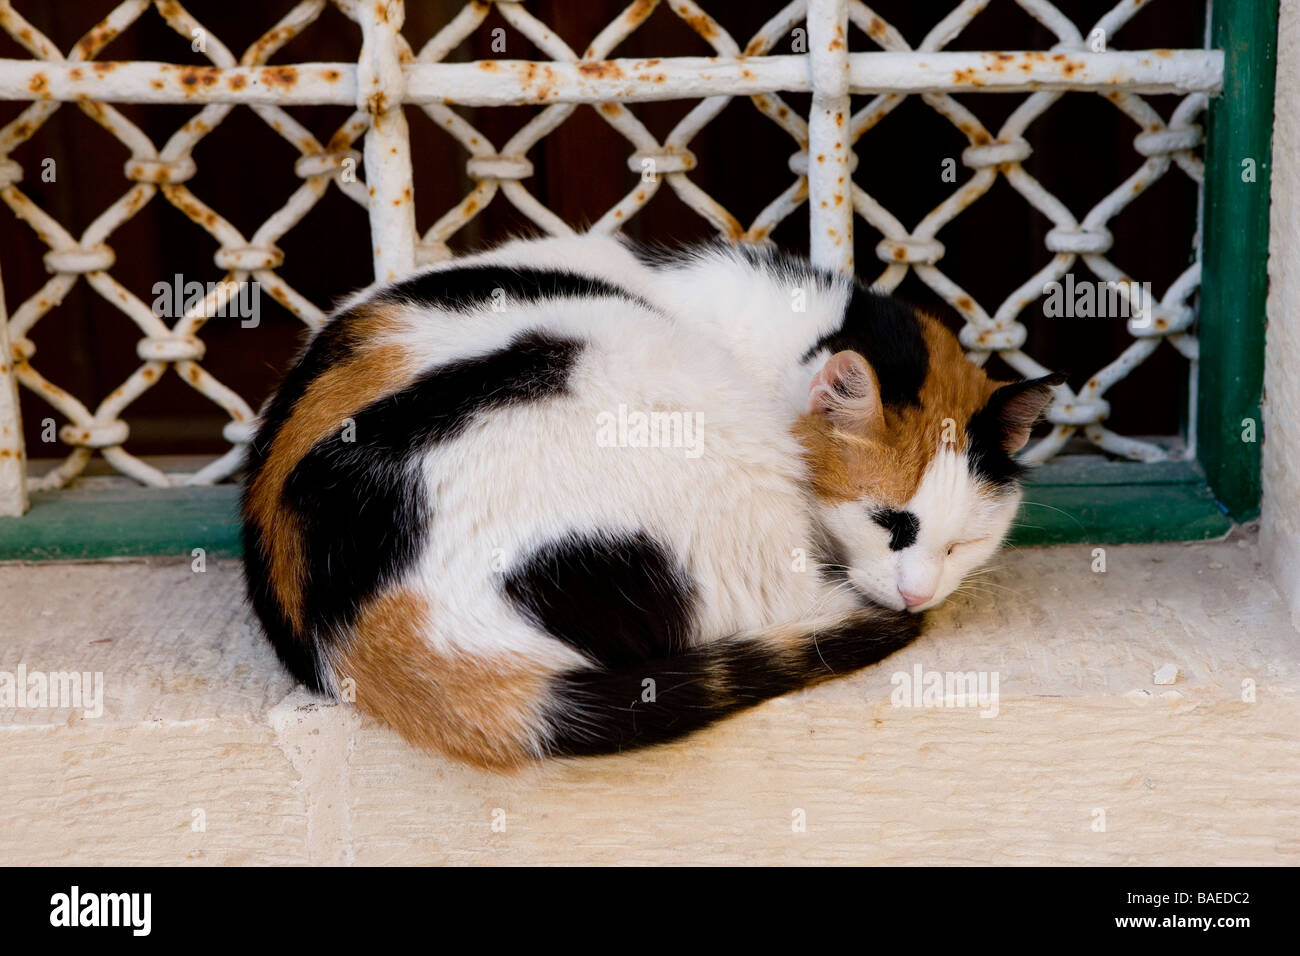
(963, 544)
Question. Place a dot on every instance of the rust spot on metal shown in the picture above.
(836, 44)
(471, 206)
(639, 10)
(876, 27)
(148, 374)
(982, 138)
(260, 50)
(283, 76)
(488, 65)
(610, 109)
(332, 76)
(747, 74)
(103, 67)
(967, 77)
(821, 157)
(237, 82)
(95, 40)
(157, 84)
(39, 85)
(899, 254)
(640, 196)
(700, 22)
(195, 76)
(783, 112)
(965, 304)
(601, 69)
(377, 102)
(1164, 54)
(192, 373)
(381, 11)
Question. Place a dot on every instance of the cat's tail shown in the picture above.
(503, 711)
(601, 711)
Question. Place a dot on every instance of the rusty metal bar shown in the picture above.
(514, 82)
(830, 206)
(387, 153)
(13, 466)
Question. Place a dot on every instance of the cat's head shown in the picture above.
(917, 492)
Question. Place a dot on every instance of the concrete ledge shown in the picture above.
(207, 754)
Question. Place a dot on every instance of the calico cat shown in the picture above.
(571, 497)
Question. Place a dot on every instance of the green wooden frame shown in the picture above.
(1081, 498)
(1234, 281)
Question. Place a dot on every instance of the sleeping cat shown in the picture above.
(571, 497)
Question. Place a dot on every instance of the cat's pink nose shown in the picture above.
(912, 600)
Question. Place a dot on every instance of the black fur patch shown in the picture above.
(901, 525)
(332, 345)
(618, 600)
(606, 711)
(985, 453)
(887, 333)
(477, 287)
(363, 504)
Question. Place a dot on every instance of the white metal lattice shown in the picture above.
(388, 74)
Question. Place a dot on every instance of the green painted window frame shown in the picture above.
(1076, 499)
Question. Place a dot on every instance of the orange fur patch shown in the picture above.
(888, 466)
(480, 710)
(337, 393)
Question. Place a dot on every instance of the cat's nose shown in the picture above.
(912, 600)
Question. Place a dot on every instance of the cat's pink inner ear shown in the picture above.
(845, 390)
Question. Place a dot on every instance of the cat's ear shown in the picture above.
(1020, 405)
(845, 391)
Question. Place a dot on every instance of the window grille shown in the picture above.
(850, 50)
